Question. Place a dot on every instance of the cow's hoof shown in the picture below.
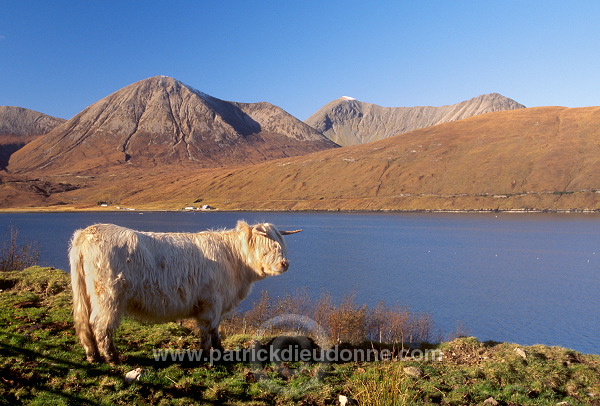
(93, 358)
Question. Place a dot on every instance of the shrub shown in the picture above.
(15, 255)
(346, 322)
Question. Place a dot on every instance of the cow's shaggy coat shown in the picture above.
(161, 277)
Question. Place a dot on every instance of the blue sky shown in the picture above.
(58, 57)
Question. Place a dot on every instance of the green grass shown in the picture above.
(42, 363)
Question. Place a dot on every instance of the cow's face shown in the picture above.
(267, 252)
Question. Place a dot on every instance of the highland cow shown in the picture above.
(160, 277)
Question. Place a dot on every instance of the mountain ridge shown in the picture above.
(347, 121)
(18, 126)
(19, 121)
(534, 159)
(527, 159)
(255, 156)
(161, 120)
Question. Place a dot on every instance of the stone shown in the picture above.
(521, 353)
(346, 401)
(134, 375)
(490, 402)
(415, 372)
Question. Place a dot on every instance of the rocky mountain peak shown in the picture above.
(348, 121)
(160, 120)
(18, 126)
(21, 122)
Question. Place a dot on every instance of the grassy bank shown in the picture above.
(41, 361)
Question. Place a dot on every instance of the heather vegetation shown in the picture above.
(41, 361)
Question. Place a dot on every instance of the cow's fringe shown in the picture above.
(81, 298)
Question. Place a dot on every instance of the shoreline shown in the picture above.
(347, 211)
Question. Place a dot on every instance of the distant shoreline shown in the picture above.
(391, 211)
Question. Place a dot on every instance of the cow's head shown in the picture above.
(267, 253)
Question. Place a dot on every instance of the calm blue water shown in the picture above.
(530, 279)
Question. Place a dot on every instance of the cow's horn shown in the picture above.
(290, 232)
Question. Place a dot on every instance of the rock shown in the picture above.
(415, 372)
(344, 400)
(134, 375)
(490, 402)
(250, 377)
(285, 372)
(521, 353)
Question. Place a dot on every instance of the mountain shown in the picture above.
(347, 121)
(18, 126)
(161, 121)
(20, 122)
(542, 158)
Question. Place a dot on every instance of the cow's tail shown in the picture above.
(81, 299)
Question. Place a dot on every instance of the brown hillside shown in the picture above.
(17, 191)
(160, 121)
(543, 158)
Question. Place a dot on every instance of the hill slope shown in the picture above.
(542, 158)
(18, 126)
(537, 158)
(347, 121)
(161, 121)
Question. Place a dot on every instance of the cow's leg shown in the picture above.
(205, 335)
(103, 332)
(88, 341)
(209, 334)
(81, 316)
(91, 353)
(215, 339)
(105, 319)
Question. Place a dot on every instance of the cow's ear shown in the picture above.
(243, 228)
(260, 229)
